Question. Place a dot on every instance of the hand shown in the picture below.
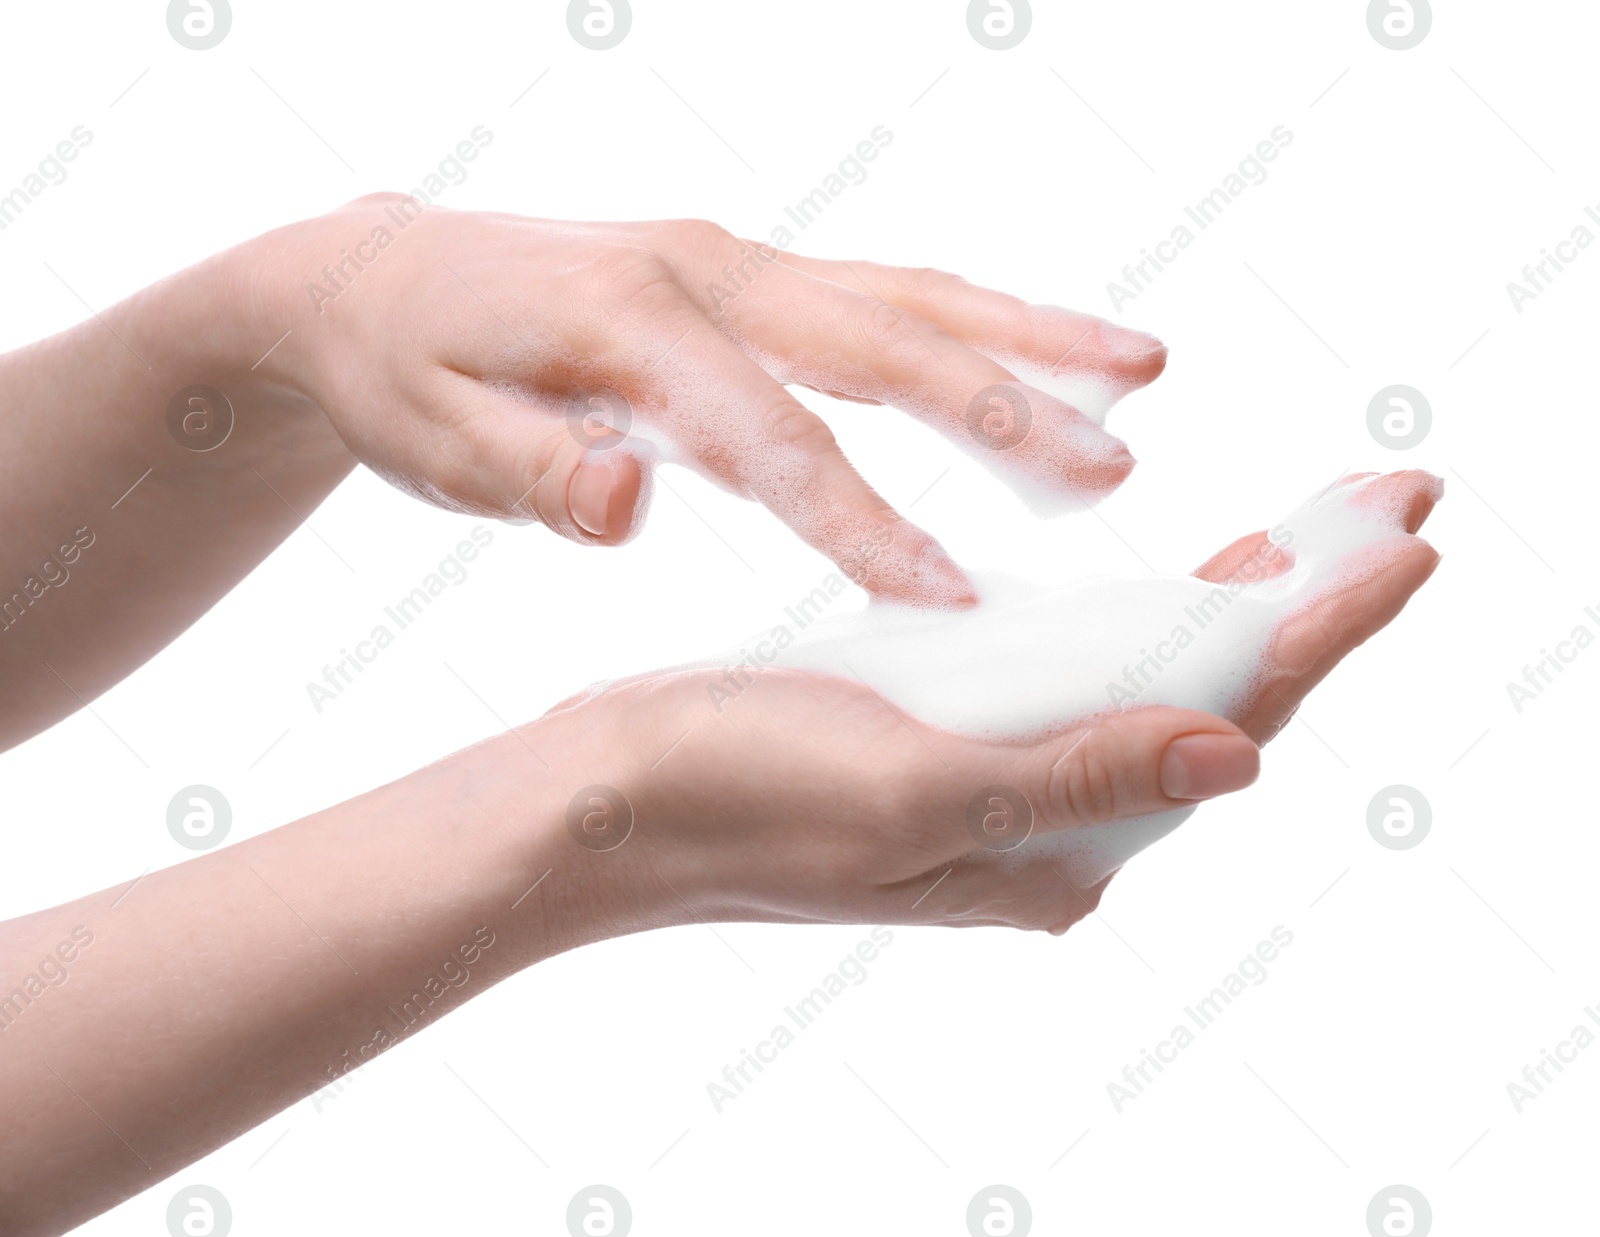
(492, 364)
(809, 798)
(468, 358)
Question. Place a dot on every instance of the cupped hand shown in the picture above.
(808, 798)
(522, 367)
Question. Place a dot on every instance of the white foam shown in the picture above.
(1038, 481)
(1090, 393)
(1028, 660)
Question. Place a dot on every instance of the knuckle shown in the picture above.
(1084, 787)
(628, 274)
(930, 282)
(697, 235)
(379, 197)
(532, 495)
(699, 229)
(793, 424)
(881, 327)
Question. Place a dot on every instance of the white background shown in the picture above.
(1378, 1049)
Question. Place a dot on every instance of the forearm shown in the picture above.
(190, 1005)
(117, 536)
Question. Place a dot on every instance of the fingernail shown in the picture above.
(1201, 766)
(589, 497)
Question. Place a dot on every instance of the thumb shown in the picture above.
(515, 459)
(596, 496)
(1144, 760)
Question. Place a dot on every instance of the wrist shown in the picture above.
(219, 329)
(296, 277)
(558, 801)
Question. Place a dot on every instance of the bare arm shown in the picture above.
(143, 1026)
(151, 1023)
(117, 536)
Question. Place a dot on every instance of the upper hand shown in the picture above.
(477, 359)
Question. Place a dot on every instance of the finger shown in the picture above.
(525, 457)
(745, 428)
(1311, 642)
(1088, 361)
(1133, 763)
(1255, 556)
(1042, 829)
(811, 331)
(1376, 580)
(1407, 496)
(1114, 766)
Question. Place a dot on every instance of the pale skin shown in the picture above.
(446, 365)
